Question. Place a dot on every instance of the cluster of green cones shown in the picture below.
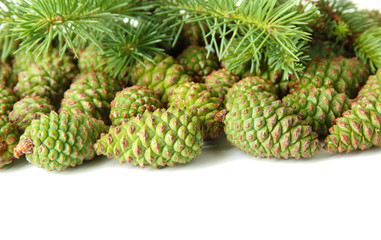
(61, 112)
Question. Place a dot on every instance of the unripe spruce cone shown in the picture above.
(158, 139)
(50, 61)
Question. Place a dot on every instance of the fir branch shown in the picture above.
(255, 26)
(131, 45)
(345, 25)
(342, 19)
(37, 23)
(368, 48)
(7, 41)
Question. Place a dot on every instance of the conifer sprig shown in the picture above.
(71, 23)
(343, 24)
(368, 48)
(343, 19)
(261, 28)
(133, 44)
(7, 41)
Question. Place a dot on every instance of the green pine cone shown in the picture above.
(9, 137)
(28, 109)
(192, 33)
(58, 141)
(249, 85)
(372, 86)
(321, 29)
(221, 81)
(133, 101)
(35, 81)
(162, 76)
(91, 93)
(90, 59)
(265, 127)
(325, 49)
(50, 61)
(318, 107)
(75, 100)
(343, 74)
(266, 73)
(162, 138)
(7, 99)
(205, 101)
(7, 76)
(65, 66)
(197, 63)
(276, 77)
(359, 128)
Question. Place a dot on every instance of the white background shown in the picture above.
(223, 194)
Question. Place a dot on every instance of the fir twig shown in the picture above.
(71, 23)
(345, 25)
(368, 48)
(132, 44)
(267, 28)
(7, 41)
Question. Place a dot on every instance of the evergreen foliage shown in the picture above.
(342, 23)
(271, 33)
